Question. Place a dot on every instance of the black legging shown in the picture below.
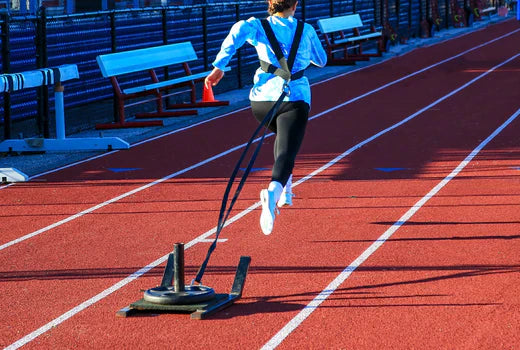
(289, 126)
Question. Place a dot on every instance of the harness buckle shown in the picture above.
(286, 87)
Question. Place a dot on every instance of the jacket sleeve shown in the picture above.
(240, 32)
(318, 54)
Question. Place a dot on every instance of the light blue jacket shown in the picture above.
(267, 86)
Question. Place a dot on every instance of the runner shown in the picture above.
(289, 123)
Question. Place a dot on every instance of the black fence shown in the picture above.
(29, 42)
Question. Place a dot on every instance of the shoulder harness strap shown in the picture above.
(285, 64)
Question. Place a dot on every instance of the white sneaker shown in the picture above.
(285, 199)
(268, 211)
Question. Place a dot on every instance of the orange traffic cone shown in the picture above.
(207, 94)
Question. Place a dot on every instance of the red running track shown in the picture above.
(424, 256)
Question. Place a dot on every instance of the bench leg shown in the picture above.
(121, 123)
(161, 113)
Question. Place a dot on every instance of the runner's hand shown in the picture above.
(214, 77)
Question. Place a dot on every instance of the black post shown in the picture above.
(41, 62)
(304, 12)
(164, 26)
(377, 19)
(113, 42)
(113, 37)
(447, 13)
(383, 10)
(410, 15)
(6, 67)
(164, 22)
(205, 35)
(178, 267)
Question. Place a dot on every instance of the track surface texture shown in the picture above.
(404, 233)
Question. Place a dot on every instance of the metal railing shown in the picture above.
(40, 40)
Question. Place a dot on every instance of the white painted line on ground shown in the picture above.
(220, 240)
(115, 199)
(45, 328)
(431, 66)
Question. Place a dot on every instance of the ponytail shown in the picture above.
(279, 6)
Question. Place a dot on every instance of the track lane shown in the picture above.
(413, 282)
(449, 273)
(266, 160)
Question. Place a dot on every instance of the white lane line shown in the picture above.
(124, 195)
(245, 108)
(29, 337)
(278, 338)
(115, 199)
(54, 323)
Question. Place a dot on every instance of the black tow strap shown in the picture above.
(224, 214)
(286, 71)
(286, 65)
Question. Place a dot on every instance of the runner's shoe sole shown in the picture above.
(268, 211)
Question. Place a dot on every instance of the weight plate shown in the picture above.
(168, 295)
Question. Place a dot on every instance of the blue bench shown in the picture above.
(10, 83)
(342, 35)
(128, 63)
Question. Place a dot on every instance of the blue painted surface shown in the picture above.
(122, 170)
(255, 169)
(389, 170)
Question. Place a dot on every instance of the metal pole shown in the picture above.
(164, 14)
(205, 35)
(409, 15)
(447, 13)
(113, 37)
(164, 23)
(41, 62)
(178, 267)
(113, 41)
(6, 66)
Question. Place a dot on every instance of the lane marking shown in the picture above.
(139, 189)
(220, 240)
(245, 108)
(282, 334)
